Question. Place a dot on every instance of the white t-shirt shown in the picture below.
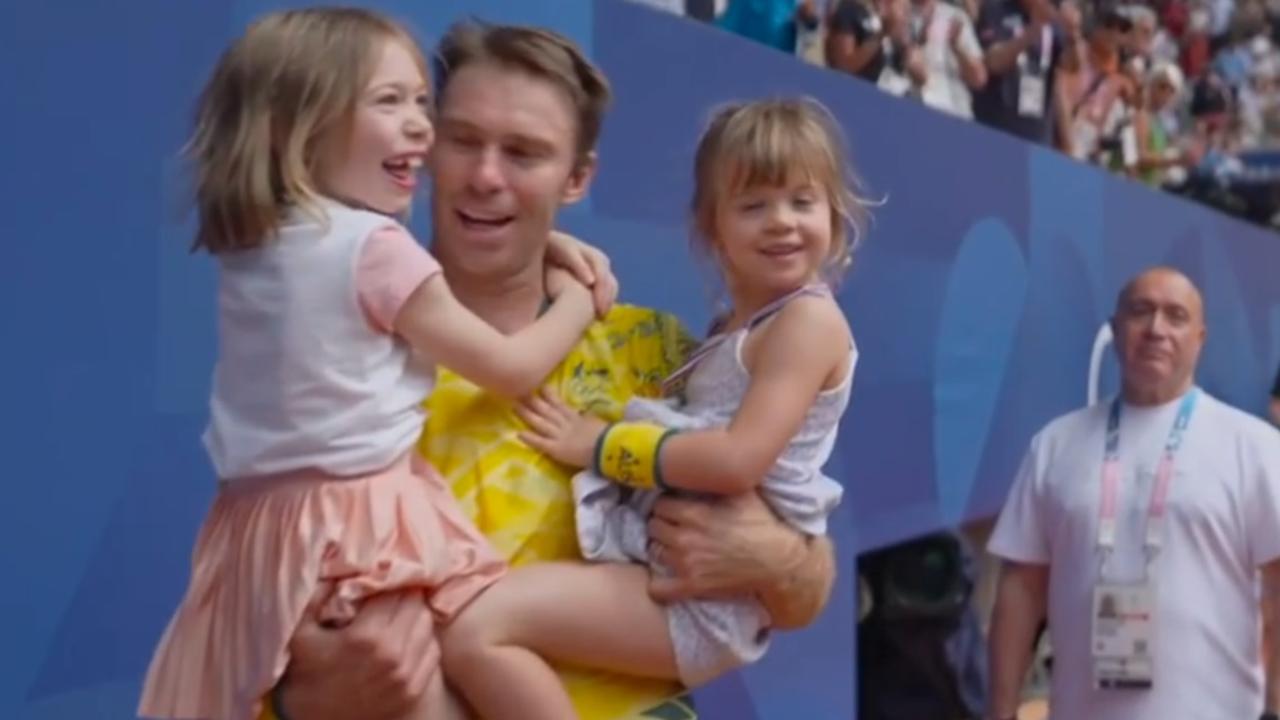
(945, 88)
(1222, 522)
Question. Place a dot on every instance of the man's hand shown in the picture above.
(719, 547)
(916, 67)
(734, 545)
(558, 431)
(376, 668)
(1270, 607)
(896, 25)
(953, 34)
(1041, 13)
(1072, 19)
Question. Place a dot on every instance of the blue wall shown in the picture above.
(975, 303)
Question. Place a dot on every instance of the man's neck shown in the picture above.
(1151, 396)
(508, 302)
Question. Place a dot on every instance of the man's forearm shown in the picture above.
(1001, 57)
(1275, 410)
(973, 70)
(1271, 625)
(803, 585)
(1020, 606)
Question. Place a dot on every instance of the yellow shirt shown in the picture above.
(521, 500)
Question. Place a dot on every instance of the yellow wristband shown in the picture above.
(628, 454)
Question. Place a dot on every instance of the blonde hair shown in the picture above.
(769, 143)
(543, 54)
(278, 91)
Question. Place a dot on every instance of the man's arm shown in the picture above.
(797, 598)
(968, 54)
(1002, 56)
(1275, 400)
(1021, 600)
(845, 50)
(1271, 624)
(736, 545)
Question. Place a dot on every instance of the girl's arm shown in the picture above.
(588, 264)
(435, 323)
(798, 352)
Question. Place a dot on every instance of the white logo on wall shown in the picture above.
(1101, 342)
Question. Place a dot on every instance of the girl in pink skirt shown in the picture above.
(307, 147)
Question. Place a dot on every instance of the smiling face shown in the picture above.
(505, 162)
(771, 239)
(773, 198)
(373, 160)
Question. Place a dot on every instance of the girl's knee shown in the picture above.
(472, 634)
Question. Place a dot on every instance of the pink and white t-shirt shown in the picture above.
(309, 373)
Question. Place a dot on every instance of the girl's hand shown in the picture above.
(558, 431)
(558, 281)
(588, 264)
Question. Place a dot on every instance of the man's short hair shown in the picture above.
(541, 53)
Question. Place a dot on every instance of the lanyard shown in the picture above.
(1159, 491)
(716, 339)
(1046, 53)
(1046, 49)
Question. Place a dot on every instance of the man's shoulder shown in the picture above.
(628, 326)
(624, 314)
(640, 345)
(999, 20)
(1070, 425)
(850, 16)
(1244, 426)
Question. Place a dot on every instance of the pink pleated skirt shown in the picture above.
(271, 549)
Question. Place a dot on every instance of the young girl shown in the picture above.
(761, 403)
(308, 143)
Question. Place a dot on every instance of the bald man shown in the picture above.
(1140, 527)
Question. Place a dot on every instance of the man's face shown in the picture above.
(1163, 94)
(504, 162)
(1111, 33)
(1159, 330)
(1143, 36)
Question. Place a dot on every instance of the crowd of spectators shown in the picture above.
(1182, 95)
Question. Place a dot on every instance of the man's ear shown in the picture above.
(580, 179)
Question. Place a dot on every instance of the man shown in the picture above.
(1092, 91)
(1022, 48)
(1275, 400)
(519, 111)
(771, 22)
(943, 62)
(1140, 526)
(857, 35)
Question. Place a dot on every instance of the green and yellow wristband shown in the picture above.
(627, 453)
